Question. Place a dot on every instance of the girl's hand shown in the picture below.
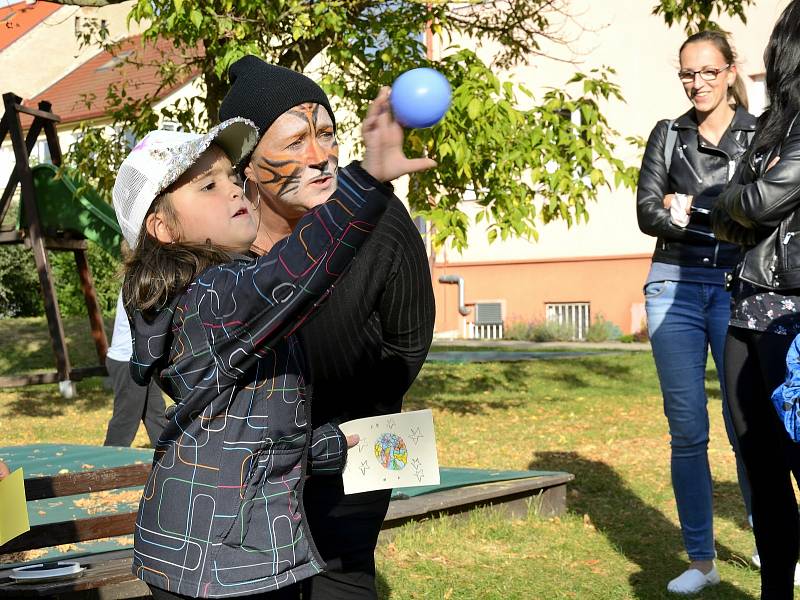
(4, 470)
(383, 141)
(352, 440)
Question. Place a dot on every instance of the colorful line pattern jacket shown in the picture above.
(221, 514)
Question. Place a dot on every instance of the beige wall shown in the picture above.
(625, 35)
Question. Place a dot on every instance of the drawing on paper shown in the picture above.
(394, 451)
(391, 452)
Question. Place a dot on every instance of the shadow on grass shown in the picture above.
(728, 503)
(713, 391)
(470, 393)
(45, 400)
(383, 588)
(604, 367)
(637, 530)
(25, 345)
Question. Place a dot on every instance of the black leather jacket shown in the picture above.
(759, 210)
(697, 168)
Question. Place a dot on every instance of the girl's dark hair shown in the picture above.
(720, 40)
(156, 272)
(782, 60)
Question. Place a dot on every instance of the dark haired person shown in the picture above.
(759, 210)
(369, 341)
(222, 513)
(687, 163)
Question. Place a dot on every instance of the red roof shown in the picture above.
(19, 18)
(92, 78)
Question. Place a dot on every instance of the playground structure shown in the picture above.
(56, 213)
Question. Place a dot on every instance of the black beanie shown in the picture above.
(262, 92)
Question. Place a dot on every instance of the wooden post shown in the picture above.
(13, 180)
(93, 308)
(36, 239)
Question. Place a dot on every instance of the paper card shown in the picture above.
(13, 508)
(397, 450)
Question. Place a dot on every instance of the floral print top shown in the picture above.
(760, 309)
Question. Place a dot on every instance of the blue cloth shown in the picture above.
(660, 271)
(786, 397)
(683, 319)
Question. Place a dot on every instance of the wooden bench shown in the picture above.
(108, 576)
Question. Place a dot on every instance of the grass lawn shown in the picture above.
(598, 417)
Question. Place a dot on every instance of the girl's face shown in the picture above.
(294, 164)
(208, 205)
(703, 58)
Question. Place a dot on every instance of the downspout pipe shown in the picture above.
(457, 279)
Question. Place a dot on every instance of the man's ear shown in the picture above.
(158, 228)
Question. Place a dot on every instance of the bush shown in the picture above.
(639, 336)
(21, 294)
(105, 274)
(602, 330)
(538, 331)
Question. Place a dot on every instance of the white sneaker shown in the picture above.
(692, 581)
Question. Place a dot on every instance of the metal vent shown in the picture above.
(488, 313)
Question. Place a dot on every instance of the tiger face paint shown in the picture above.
(294, 164)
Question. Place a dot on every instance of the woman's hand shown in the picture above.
(4, 470)
(772, 163)
(352, 440)
(669, 198)
(383, 141)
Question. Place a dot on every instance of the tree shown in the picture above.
(524, 165)
(697, 15)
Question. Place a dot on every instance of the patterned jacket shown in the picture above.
(222, 514)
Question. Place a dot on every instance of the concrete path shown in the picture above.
(514, 351)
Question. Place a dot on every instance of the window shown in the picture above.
(575, 315)
(168, 125)
(40, 153)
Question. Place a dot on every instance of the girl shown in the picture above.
(221, 514)
(383, 307)
(686, 164)
(761, 211)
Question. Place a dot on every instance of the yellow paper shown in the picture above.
(13, 508)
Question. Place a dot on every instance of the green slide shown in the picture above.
(67, 205)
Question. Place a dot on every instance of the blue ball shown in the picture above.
(420, 97)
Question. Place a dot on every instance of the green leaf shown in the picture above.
(196, 18)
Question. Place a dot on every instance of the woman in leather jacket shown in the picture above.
(686, 164)
(761, 211)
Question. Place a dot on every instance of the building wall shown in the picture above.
(51, 49)
(525, 287)
(581, 261)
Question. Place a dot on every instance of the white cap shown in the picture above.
(161, 157)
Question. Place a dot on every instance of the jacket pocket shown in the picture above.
(268, 516)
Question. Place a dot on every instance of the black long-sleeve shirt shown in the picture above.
(369, 341)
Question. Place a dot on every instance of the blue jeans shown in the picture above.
(683, 319)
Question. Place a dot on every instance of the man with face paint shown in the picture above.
(367, 344)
